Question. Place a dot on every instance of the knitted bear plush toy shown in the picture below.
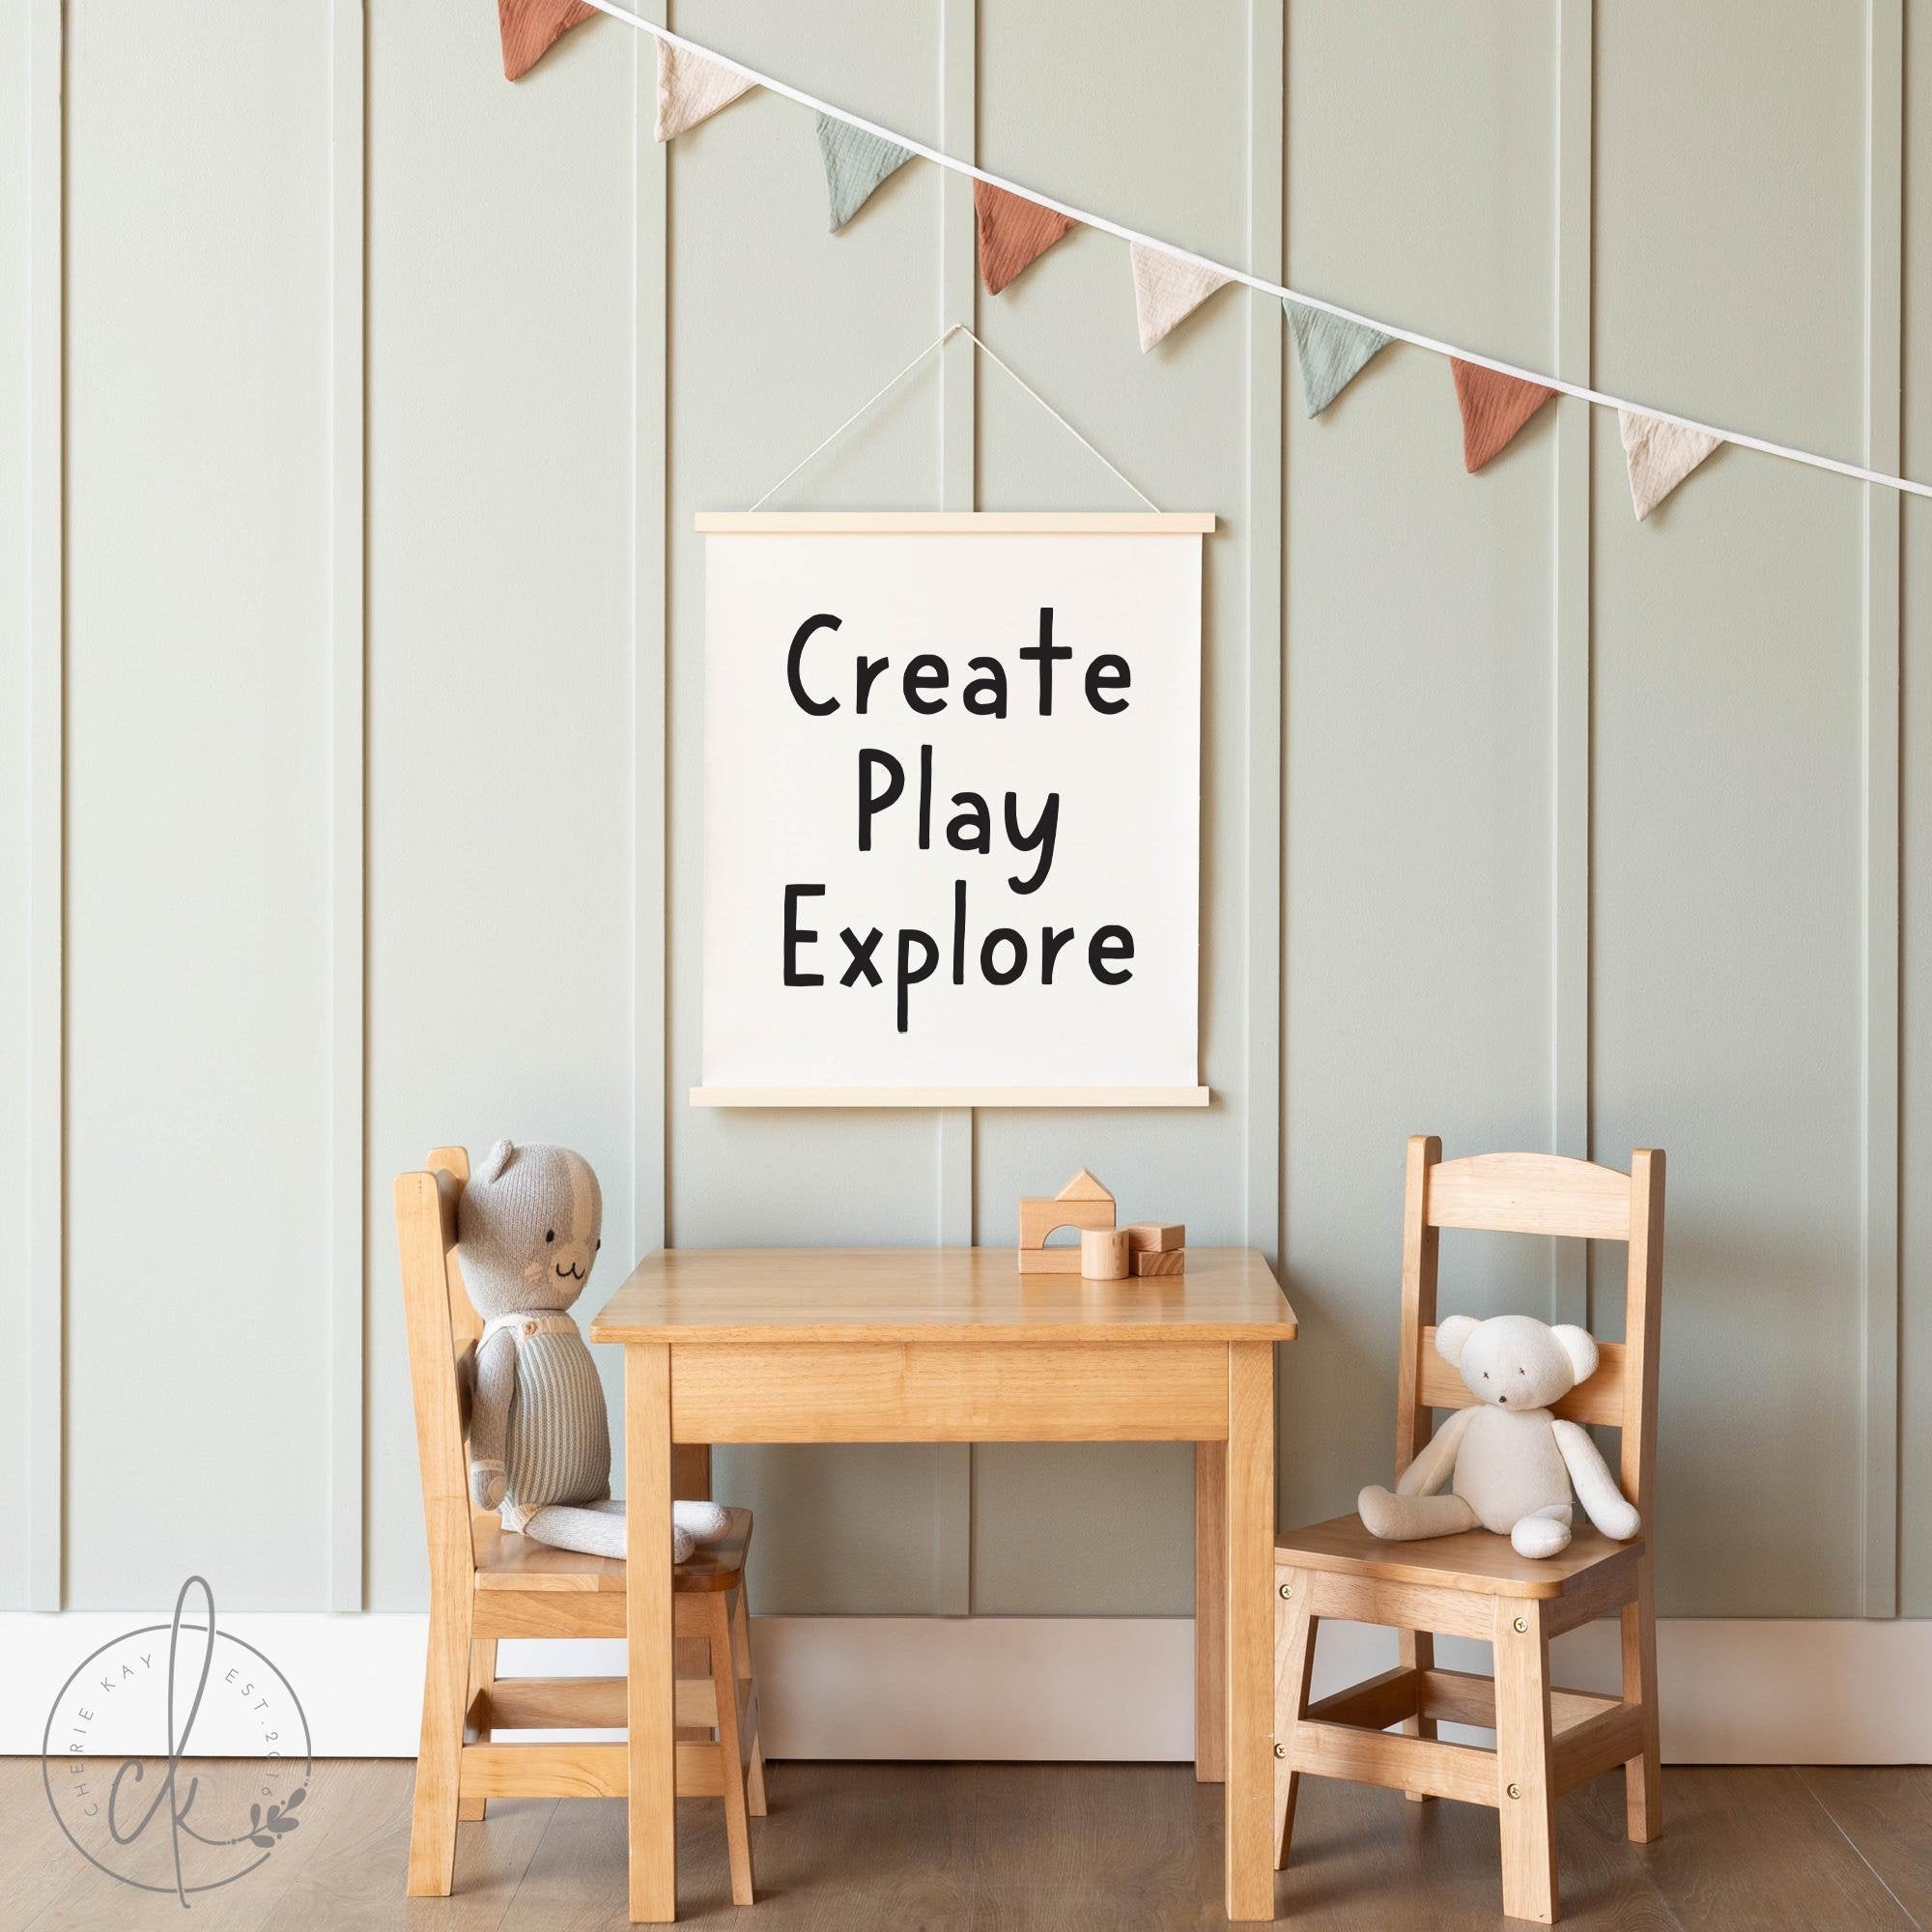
(1512, 1462)
(526, 1233)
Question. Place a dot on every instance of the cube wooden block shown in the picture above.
(1159, 1261)
(1155, 1237)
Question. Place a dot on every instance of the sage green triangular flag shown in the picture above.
(856, 162)
(1333, 353)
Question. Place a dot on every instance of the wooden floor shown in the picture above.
(892, 1848)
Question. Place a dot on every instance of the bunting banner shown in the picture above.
(691, 89)
(856, 162)
(530, 28)
(1494, 407)
(1167, 289)
(1014, 227)
(1332, 353)
(1014, 233)
(1658, 456)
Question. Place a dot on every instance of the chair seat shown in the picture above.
(1475, 1560)
(508, 1561)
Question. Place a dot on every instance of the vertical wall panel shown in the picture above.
(1147, 121)
(500, 472)
(1916, 876)
(197, 504)
(1728, 721)
(757, 283)
(1416, 973)
(15, 834)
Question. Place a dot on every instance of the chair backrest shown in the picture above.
(441, 1324)
(1537, 1194)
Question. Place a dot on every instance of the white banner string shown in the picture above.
(1582, 391)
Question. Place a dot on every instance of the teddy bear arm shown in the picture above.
(1436, 1461)
(1604, 1503)
(495, 1381)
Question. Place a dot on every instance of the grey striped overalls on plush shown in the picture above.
(556, 1443)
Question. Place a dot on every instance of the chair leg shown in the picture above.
(1525, 1800)
(1415, 1650)
(438, 1749)
(725, 1682)
(1643, 1775)
(1294, 1624)
(482, 1675)
(741, 1646)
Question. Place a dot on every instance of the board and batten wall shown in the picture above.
(353, 409)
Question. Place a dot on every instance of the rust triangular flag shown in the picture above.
(1658, 456)
(1166, 289)
(1014, 233)
(691, 89)
(1494, 407)
(530, 28)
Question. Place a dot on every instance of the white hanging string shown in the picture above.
(1582, 391)
(879, 396)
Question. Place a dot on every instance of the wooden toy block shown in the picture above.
(1155, 1237)
(1040, 1218)
(1160, 1261)
(1083, 1203)
(1103, 1254)
(1049, 1260)
(1084, 1187)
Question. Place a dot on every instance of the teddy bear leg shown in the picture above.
(596, 1528)
(1546, 1533)
(701, 1520)
(1410, 1518)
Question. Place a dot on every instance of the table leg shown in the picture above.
(648, 1704)
(1250, 1625)
(1210, 1586)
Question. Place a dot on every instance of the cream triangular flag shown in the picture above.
(1166, 289)
(691, 89)
(1658, 456)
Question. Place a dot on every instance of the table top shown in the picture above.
(935, 1294)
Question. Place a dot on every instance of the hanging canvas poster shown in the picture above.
(952, 818)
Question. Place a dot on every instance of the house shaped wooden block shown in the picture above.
(1083, 1203)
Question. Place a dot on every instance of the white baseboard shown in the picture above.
(1733, 1691)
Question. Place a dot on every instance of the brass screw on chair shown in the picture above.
(1521, 1625)
(1281, 1750)
(1513, 1792)
(1287, 1590)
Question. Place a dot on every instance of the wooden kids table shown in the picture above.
(953, 1344)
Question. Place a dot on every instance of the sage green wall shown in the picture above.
(1522, 823)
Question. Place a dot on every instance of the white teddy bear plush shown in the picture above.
(1512, 1460)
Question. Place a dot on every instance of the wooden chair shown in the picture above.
(487, 1583)
(1474, 1584)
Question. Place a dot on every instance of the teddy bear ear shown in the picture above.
(1581, 1346)
(1452, 1337)
(495, 1161)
